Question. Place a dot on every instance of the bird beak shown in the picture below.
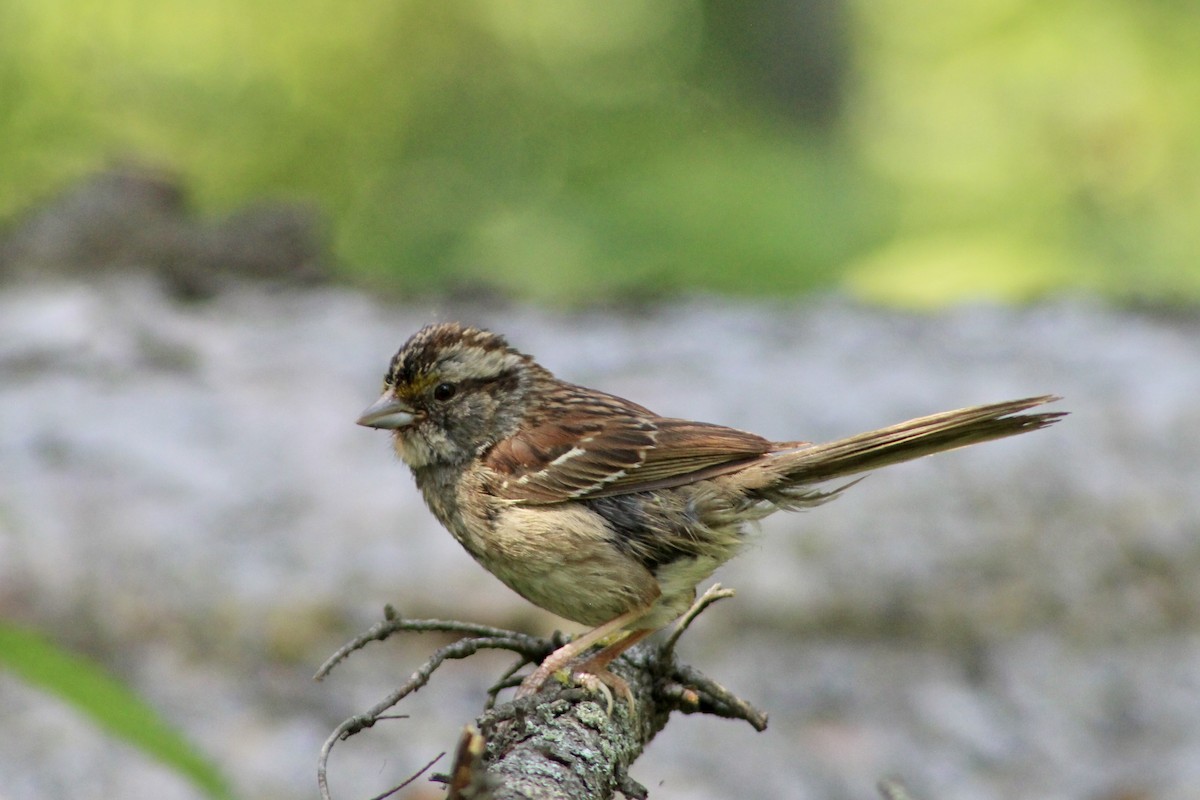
(387, 412)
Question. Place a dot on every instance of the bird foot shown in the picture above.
(593, 676)
(592, 672)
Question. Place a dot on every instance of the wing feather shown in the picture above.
(611, 448)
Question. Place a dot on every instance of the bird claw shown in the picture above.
(596, 686)
(603, 682)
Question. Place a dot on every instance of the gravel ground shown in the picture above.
(185, 497)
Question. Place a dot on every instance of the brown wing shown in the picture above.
(687, 451)
(606, 446)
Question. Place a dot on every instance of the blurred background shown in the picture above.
(803, 217)
(561, 152)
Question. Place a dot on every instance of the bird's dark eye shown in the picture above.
(444, 391)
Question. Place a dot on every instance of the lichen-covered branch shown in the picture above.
(564, 742)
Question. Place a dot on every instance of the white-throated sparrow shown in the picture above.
(594, 507)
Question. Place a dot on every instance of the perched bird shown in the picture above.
(594, 507)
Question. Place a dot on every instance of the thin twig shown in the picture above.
(463, 648)
(710, 697)
(505, 681)
(415, 775)
(394, 624)
(711, 595)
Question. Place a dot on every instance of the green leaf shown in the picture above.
(90, 690)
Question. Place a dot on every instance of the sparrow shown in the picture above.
(599, 510)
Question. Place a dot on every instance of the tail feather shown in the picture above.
(813, 463)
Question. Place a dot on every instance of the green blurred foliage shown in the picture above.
(88, 689)
(1033, 146)
(573, 150)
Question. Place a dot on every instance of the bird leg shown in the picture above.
(598, 664)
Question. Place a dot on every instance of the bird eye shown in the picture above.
(444, 391)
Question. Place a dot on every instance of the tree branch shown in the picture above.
(563, 742)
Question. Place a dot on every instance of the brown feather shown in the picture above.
(807, 464)
(619, 448)
(614, 447)
(686, 452)
(551, 463)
